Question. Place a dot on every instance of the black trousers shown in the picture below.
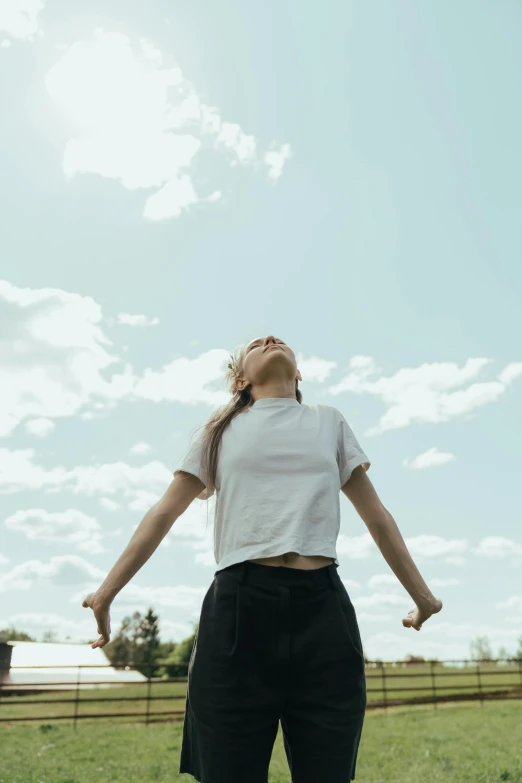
(274, 644)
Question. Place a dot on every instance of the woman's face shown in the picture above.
(269, 358)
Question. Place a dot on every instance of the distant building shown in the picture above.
(69, 664)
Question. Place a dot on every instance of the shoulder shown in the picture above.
(328, 410)
(329, 415)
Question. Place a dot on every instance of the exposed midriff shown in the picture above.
(295, 560)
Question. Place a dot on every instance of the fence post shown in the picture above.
(480, 685)
(383, 677)
(520, 670)
(77, 698)
(433, 688)
(148, 695)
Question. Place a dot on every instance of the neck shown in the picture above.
(273, 390)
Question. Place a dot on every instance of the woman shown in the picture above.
(278, 637)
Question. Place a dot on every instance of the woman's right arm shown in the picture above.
(153, 528)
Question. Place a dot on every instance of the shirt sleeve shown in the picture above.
(194, 462)
(349, 451)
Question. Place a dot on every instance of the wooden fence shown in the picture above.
(389, 683)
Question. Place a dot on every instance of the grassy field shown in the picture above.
(456, 743)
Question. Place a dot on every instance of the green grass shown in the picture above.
(456, 743)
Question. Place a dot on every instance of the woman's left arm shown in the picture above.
(384, 531)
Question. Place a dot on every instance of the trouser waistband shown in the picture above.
(257, 573)
(281, 580)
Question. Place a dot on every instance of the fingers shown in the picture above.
(103, 639)
(103, 620)
(411, 621)
(104, 630)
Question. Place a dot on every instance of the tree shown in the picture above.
(480, 649)
(136, 643)
(176, 663)
(12, 635)
(148, 643)
(502, 654)
(121, 650)
(518, 653)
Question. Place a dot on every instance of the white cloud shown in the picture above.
(497, 546)
(513, 603)
(141, 448)
(423, 546)
(234, 138)
(382, 599)
(62, 570)
(119, 477)
(171, 199)
(57, 361)
(19, 472)
(428, 393)
(19, 18)
(435, 546)
(510, 372)
(314, 368)
(138, 121)
(3, 559)
(82, 627)
(436, 582)
(143, 499)
(53, 354)
(429, 458)
(370, 617)
(456, 560)
(390, 581)
(109, 504)
(40, 427)
(275, 159)
(186, 380)
(351, 584)
(383, 580)
(71, 527)
(71, 571)
(65, 629)
(136, 320)
(356, 548)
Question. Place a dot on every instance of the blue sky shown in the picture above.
(178, 179)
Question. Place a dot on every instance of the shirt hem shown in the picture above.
(360, 459)
(308, 549)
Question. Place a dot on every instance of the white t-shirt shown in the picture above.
(281, 466)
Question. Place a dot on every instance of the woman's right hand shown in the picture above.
(100, 603)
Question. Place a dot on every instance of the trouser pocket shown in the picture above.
(350, 619)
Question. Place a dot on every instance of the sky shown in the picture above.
(181, 178)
